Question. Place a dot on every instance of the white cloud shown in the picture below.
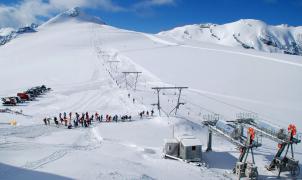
(152, 3)
(29, 11)
(32, 11)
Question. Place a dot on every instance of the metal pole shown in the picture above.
(126, 80)
(178, 99)
(158, 102)
(292, 150)
(135, 81)
(209, 148)
(253, 159)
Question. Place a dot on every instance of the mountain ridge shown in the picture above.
(246, 33)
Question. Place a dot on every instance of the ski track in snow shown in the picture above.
(90, 135)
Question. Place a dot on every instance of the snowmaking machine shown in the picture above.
(282, 161)
(245, 142)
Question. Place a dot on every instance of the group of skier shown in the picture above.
(83, 119)
(146, 113)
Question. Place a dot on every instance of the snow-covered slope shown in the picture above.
(71, 54)
(247, 33)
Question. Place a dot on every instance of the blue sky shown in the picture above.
(155, 15)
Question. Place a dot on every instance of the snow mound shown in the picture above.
(246, 33)
(73, 14)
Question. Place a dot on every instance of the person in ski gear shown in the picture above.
(152, 112)
(45, 122)
(65, 121)
(70, 116)
(61, 119)
(96, 116)
(82, 120)
(48, 120)
(69, 126)
(56, 121)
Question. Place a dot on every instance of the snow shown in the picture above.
(70, 54)
(6, 31)
(190, 141)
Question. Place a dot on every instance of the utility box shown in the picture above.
(171, 147)
(190, 149)
(251, 171)
(186, 148)
(240, 168)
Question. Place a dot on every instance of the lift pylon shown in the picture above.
(158, 89)
(126, 73)
(113, 63)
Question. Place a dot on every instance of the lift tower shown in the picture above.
(158, 89)
(113, 65)
(126, 73)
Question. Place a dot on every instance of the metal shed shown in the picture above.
(171, 147)
(190, 148)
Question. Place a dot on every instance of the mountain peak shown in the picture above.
(73, 14)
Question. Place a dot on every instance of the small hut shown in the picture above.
(190, 148)
(171, 147)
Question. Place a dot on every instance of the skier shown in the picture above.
(69, 126)
(133, 100)
(152, 112)
(101, 118)
(70, 115)
(61, 119)
(128, 95)
(45, 122)
(48, 121)
(56, 121)
(77, 118)
(65, 115)
(147, 113)
(87, 115)
(91, 119)
(85, 123)
(96, 116)
(82, 121)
